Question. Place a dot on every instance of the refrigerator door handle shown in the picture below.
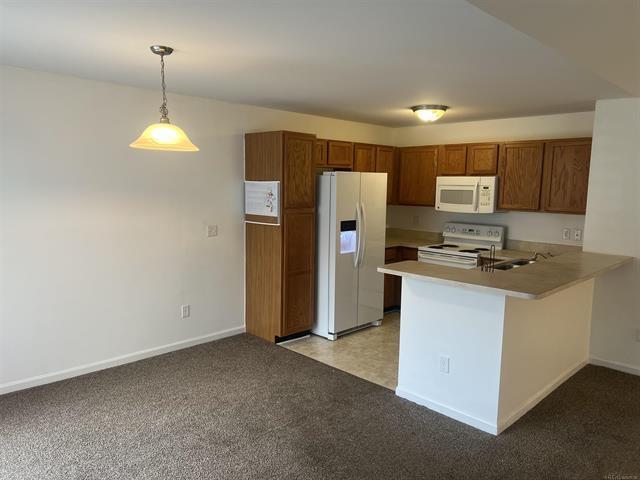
(363, 235)
(356, 254)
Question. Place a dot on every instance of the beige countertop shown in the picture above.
(410, 238)
(534, 281)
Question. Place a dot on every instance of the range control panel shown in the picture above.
(472, 233)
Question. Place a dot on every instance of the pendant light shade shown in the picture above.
(164, 135)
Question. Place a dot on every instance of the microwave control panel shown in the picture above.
(486, 196)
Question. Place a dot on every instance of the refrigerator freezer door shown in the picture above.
(345, 193)
(373, 203)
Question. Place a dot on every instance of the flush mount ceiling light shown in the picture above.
(429, 113)
(163, 135)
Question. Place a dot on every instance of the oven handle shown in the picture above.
(448, 258)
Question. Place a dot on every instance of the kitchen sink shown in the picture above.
(511, 264)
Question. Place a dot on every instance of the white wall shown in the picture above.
(538, 227)
(613, 226)
(100, 244)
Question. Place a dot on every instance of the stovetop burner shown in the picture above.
(471, 250)
(444, 245)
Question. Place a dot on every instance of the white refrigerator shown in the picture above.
(351, 224)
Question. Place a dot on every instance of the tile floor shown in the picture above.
(371, 353)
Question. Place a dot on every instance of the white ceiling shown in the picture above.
(604, 36)
(365, 60)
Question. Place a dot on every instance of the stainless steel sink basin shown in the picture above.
(511, 264)
(522, 261)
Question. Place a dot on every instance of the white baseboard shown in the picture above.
(539, 396)
(448, 411)
(622, 367)
(115, 361)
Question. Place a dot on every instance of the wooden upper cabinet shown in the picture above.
(482, 159)
(364, 158)
(299, 170)
(417, 179)
(386, 162)
(321, 152)
(566, 176)
(340, 154)
(520, 170)
(452, 160)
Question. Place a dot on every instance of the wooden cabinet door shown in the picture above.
(391, 281)
(392, 291)
(482, 159)
(321, 152)
(386, 163)
(340, 154)
(417, 177)
(452, 160)
(299, 171)
(566, 176)
(409, 253)
(298, 273)
(364, 158)
(520, 170)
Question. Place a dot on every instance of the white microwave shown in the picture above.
(466, 194)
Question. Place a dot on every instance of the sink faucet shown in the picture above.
(536, 255)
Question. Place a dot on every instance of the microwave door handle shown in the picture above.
(475, 196)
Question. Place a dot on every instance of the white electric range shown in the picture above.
(462, 245)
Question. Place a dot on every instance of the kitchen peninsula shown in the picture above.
(485, 347)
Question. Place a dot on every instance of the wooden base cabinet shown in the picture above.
(280, 259)
(393, 283)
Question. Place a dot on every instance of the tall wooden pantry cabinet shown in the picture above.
(280, 257)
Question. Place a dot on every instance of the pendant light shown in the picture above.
(164, 135)
(429, 113)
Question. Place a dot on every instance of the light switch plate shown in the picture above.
(212, 230)
(185, 311)
(566, 234)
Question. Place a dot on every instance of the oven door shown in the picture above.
(447, 260)
(457, 194)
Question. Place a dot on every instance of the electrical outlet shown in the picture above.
(444, 364)
(212, 230)
(577, 235)
(185, 311)
(566, 234)
(415, 221)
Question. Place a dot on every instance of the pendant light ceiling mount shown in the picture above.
(163, 135)
(161, 50)
(429, 113)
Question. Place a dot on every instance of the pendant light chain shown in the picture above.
(164, 111)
